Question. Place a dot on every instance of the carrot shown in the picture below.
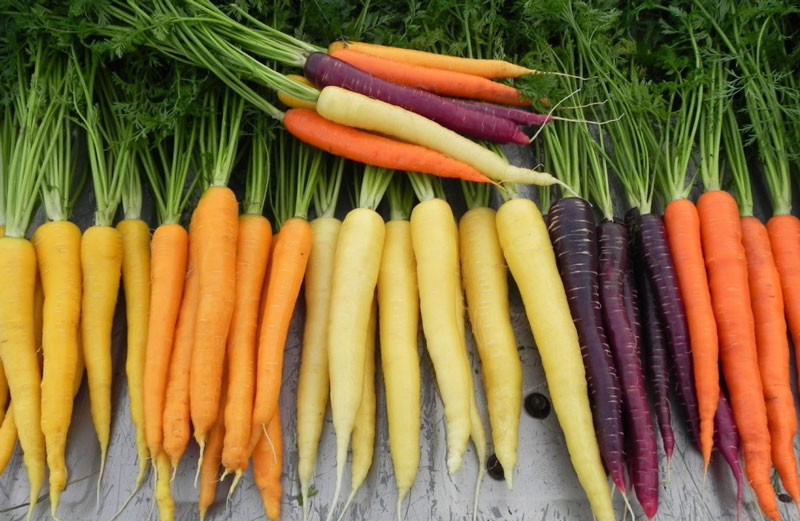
(486, 288)
(109, 140)
(38, 115)
(784, 235)
(287, 268)
(216, 220)
(445, 83)
(766, 300)
(135, 235)
(726, 264)
(58, 252)
(372, 149)
(363, 440)
(176, 416)
(313, 381)
(357, 110)
(478, 67)
(434, 237)
(730, 296)
(175, 413)
(355, 275)
(683, 232)
(168, 258)
(252, 252)
(167, 174)
(398, 307)
(525, 243)
(267, 467)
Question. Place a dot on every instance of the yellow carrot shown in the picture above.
(135, 235)
(398, 305)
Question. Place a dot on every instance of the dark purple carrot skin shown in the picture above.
(656, 360)
(726, 441)
(518, 116)
(652, 341)
(572, 232)
(652, 237)
(643, 458)
(324, 70)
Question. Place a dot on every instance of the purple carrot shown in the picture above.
(572, 232)
(518, 116)
(324, 70)
(726, 441)
(652, 237)
(653, 342)
(656, 360)
(643, 458)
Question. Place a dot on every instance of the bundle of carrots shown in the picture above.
(699, 300)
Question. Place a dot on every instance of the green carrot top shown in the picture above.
(401, 198)
(38, 77)
(109, 135)
(737, 162)
(166, 165)
(298, 169)
(258, 169)
(218, 135)
(426, 187)
(372, 186)
(327, 193)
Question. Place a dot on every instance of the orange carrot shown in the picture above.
(251, 262)
(217, 229)
(268, 466)
(784, 235)
(438, 81)
(773, 350)
(724, 254)
(341, 140)
(176, 423)
(217, 223)
(288, 267)
(683, 233)
(168, 264)
(477, 67)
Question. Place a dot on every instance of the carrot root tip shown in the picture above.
(199, 463)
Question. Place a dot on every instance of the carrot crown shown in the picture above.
(373, 186)
(711, 123)
(298, 171)
(109, 136)
(401, 198)
(476, 195)
(167, 168)
(258, 169)
(36, 113)
(218, 139)
(132, 195)
(327, 193)
(426, 187)
(679, 126)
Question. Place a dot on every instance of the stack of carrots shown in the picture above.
(702, 297)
